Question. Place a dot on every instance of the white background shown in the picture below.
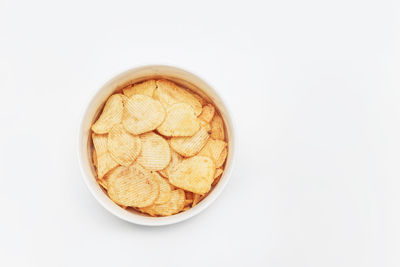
(315, 91)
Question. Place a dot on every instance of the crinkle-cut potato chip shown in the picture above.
(217, 128)
(155, 153)
(114, 173)
(190, 146)
(143, 88)
(100, 143)
(179, 121)
(208, 113)
(194, 174)
(213, 149)
(123, 146)
(173, 206)
(134, 187)
(165, 189)
(169, 93)
(175, 160)
(221, 159)
(111, 115)
(142, 114)
(196, 199)
(105, 163)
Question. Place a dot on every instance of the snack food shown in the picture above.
(158, 148)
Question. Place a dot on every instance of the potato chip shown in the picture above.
(213, 149)
(165, 189)
(134, 186)
(175, 160)
(196, 199)
(114, 173)
(100, 143)
(221, 159)
(123, 146)
(190, 146)
(169, 93)
(218, 173)
(111, 115)
(208, 113)
(180, 121)
(185, 208)
(105, 163)
(155, 154)
(194, 174)
(143, 88)
(173, 206)
(217, 128)
(142, 114)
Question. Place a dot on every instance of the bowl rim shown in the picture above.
(125, 215)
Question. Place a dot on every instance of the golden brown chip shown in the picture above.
(105, 163)
(208, 113)
(143, 88)
(175, 160)
(217, 128)
(179, 121)
(173, 206)
(142, 114)
(190, 146)
(213, 149)
(112, 173)
(165, 189)
(169, 93)
(156, 153)
(111, 115)
(100, 143)
(221, 159)
(123, 146)
(194, 174)
(133, 186)
(196, 199)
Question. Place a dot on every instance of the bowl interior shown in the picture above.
(179, 76)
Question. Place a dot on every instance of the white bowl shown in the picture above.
(180, 76)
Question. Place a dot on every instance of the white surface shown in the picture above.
(315, 90)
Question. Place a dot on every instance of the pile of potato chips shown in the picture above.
(158, 148)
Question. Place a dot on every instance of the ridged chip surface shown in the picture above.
(217, 128)
(169, 93)
(134, 187)
(111, 115)
(156, 153)
(173, 206)
(123, 146)
(142, 114)
(179, 121)
(194, 174)
(143, 88)
(190, 146)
